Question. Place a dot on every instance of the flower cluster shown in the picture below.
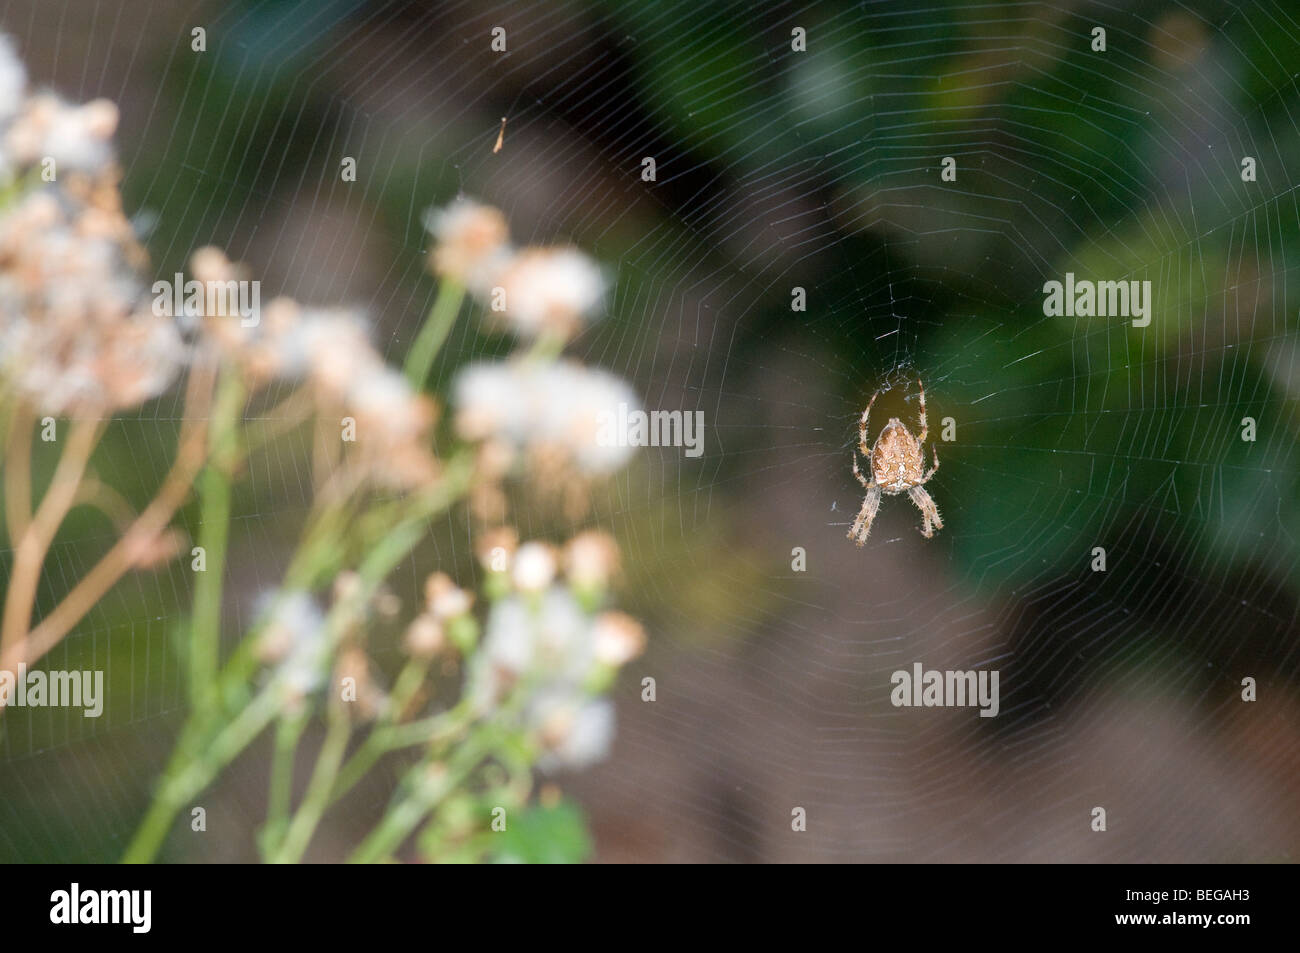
(77, 334)
(539, 409)
(293, 642)
(549, 648)
(531, 414)
(330, 349)
(536, 644)
(536, 290)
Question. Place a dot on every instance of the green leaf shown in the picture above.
(544, 835)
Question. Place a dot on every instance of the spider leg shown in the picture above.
(925, 430)
(866, 516)
(933, 469)
(929, 511)
(862, 427)
(858, 473)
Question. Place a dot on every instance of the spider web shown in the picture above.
(778, 170)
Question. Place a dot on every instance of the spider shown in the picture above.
(897, 465)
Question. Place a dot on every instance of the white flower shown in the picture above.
(551, 649)
(294, 641)
(553, 290)
(145, 356)
(383, 394)
(548, 641)
(549, 289)
(564, 647)
(393, 423)
(510, 639)
(617, 638)
(331, 347)
(487, 396)
(574, 732)
(580, 399)
(337, 346)
(77, 137)
(550, 407)
(470, 237)
(425, 637)
(445, 599)
(590, 559)
(534, 567)
(75, 334)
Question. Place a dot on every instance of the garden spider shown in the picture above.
(897, 465)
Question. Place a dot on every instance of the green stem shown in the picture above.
(317, 798)
(184, 780)
(396, 826)
(432, 730)
(214, 504)
(409, 680)
(404, 816)
(548, 346)
(214, 534)
(321, 546)
(193, 766)
(436, 327)
(288, 734)
(375, 746)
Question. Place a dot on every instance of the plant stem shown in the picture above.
(386, 738)
(176, 486)
(214, 496)
(433, 333)
(425, 793)
(409, 680)
(107, 500)
(193, 766)
(214, 533)
(317, 798)
(434, 729)
(18, 474)
(186, 778)
(287, 735)
(279, 420)
(548, 346)
(31, 547)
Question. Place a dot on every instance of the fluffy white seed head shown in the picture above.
(617, 637)
(575, 732)
(556, 290)
(534, 567)
(76, 137)
(558, 408)
(468, 238)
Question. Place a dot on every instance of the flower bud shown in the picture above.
(496, 548)
(617, 638)
(444, 598)
(591, 559)
(425, 638)
(534, 567)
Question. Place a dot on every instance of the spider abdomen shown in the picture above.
(896, 463)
